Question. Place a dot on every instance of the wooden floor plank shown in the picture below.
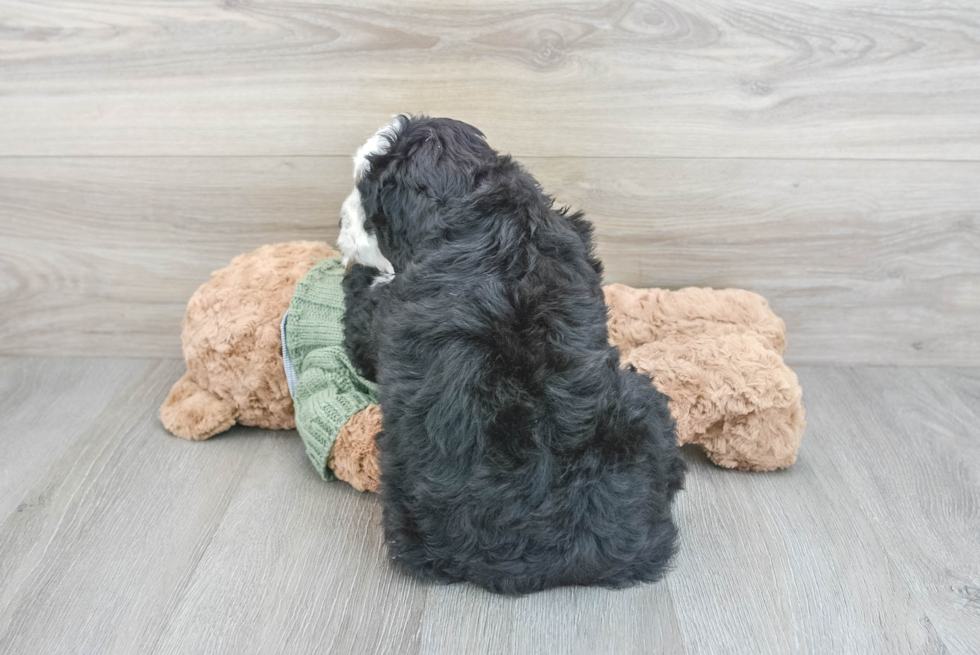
(745, 78)
(306, 561)
(786, 562)
(134, 541)
(867, 262)
(74, 392)
(464, 619)
(114, 529)
(918, 481)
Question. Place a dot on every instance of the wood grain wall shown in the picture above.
(825, 153)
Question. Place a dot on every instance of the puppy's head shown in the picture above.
(403, 176)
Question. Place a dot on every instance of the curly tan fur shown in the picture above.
(716, 353)
(354, 456)
(232, 346)
(641, 316)
(718, 356)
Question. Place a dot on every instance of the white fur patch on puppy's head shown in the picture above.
(378, 144)
(354, 241)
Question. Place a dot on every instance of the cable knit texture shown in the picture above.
(716, 353)
(329, 389)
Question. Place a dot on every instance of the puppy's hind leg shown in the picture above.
(405, 524)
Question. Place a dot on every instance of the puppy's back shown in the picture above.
(517, 454)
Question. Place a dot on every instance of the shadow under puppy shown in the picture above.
(516, 453)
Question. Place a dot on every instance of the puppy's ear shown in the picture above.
(438, 158)
(379, 221)
(371, 154)
(584, 228)
(362, 333)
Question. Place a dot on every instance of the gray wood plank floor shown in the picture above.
(116, 538)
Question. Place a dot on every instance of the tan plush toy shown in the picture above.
(716, 353)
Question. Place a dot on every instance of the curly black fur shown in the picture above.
(516, 452)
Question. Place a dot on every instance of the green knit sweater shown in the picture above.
(328, 390)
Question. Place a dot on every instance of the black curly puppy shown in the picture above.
(516, 453)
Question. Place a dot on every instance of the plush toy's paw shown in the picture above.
(731, 394)
(764, 440)
(191, 412)
(354, 456)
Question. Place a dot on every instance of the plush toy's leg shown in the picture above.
(730, 394)
(764, 420)
(641, 316)
(191, 412)
(763, 440)
(354, 455)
